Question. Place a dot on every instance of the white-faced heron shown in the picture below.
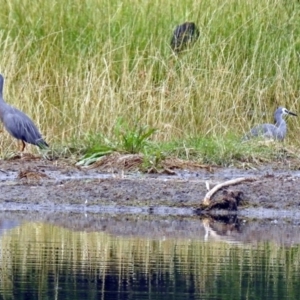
(270, 131)
(18, 124)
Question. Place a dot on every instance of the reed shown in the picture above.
(77, 67)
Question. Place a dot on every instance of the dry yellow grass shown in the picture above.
(76, 67)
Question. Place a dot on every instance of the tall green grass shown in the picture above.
(77, 67)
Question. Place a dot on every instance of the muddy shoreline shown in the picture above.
(149, 205)
(60, 186)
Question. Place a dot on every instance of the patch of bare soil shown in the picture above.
(36, 184)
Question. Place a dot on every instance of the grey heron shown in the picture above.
(275, 131)
(18, 124)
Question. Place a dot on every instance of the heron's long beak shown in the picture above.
(291, 113)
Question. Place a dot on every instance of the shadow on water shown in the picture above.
(129, 256)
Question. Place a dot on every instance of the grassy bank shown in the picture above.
(77, 67)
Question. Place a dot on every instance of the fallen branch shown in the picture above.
(209, 194)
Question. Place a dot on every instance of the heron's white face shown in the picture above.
(285, 111)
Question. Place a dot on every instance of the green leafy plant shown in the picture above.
(94, 154)
(126, 139)
(132, 139)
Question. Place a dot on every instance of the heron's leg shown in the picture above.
(23, 146)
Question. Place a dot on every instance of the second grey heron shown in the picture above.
(275, 131)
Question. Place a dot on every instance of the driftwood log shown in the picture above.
(210, 193)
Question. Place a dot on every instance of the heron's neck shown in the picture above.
(3, 104)
(281, 123)
(2, 100)
(281, 129)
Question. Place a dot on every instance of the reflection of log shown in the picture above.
(222, 232)
(208, 196)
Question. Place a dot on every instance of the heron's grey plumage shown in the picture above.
(271, 131)
(18, 124)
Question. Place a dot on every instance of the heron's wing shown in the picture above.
(21, 127)
(266, 131)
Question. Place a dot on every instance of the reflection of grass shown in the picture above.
(52, 252)
(82, 70)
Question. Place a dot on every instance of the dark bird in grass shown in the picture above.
(271, 131)
(184, 35)
(18, 124)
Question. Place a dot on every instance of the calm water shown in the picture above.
(129, 257)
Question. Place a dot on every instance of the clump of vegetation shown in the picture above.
(102, 62)
(150, 155)
(126, 139)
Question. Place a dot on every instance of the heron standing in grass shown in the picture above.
(18, 124)
(270, 131)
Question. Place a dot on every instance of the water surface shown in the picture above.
(128, 257)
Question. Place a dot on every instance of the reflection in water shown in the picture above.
(44, 261)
